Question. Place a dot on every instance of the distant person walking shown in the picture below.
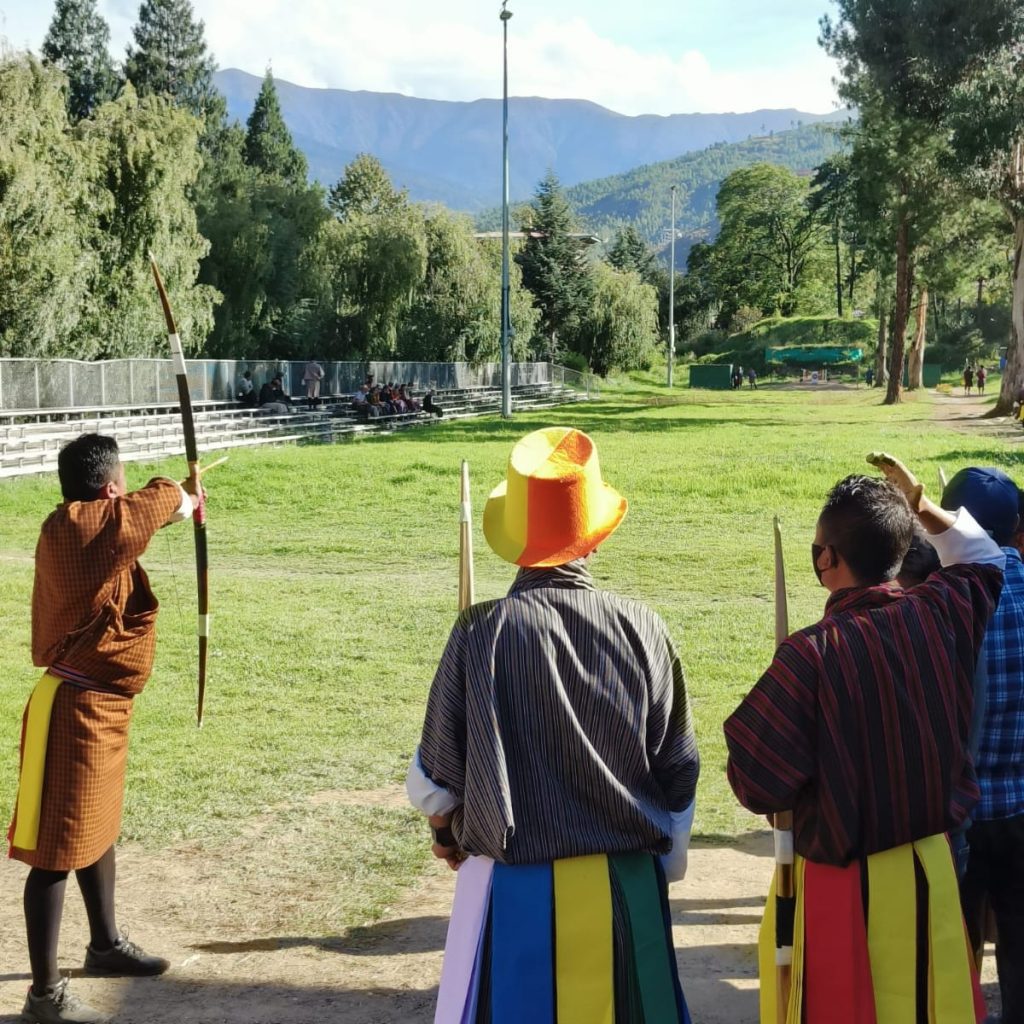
(968, 380)
(752, 378)
(869, 377)
(311, 377)
(982, 377)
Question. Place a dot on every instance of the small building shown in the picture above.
(711, 376)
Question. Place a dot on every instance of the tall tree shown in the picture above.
(268, 143)
(78, 43)
(985, 121)
(262, 231)
(365, 188)
(372, 258)
(832, 199)
(45, 260)
(143, 165)
(170, 58)
(456, 314)
(630, 252)
(620, 329)
(919, 62)
(768, 242)
(555, 267)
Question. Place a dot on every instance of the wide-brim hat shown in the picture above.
(553, 505)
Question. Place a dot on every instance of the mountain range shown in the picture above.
(450, 152)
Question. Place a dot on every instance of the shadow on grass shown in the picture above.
(176, 998)
(960, 458)
(173, 998)
(398, 937)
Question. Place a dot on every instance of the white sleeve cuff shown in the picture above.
(966, 543)
(674, 862)
(184, 510)
(424, 794)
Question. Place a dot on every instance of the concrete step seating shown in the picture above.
(31, 444)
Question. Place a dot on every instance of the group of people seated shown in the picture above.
(271, 398)
(369, 402)
(374, 400)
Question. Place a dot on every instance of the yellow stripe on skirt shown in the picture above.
(891, 941)
(33, 763)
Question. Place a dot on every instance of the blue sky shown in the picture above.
(648, 56)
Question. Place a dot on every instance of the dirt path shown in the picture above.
(239, 973)
(967, 414)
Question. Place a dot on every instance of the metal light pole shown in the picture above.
(506, 313)
(672, 294)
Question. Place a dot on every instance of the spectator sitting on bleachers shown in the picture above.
(359, 404)
(429, 405)
(374, 406)
(246, 393)
(411, 405)
(273, 400)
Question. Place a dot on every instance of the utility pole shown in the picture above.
(506, 312)
(672, 294)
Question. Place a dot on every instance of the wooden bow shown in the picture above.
(188, 426)
(465, 544)
(785, 887)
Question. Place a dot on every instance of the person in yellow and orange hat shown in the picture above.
(558, 766)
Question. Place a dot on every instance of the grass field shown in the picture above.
(333, 585)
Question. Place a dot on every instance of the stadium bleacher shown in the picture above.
(30, 439)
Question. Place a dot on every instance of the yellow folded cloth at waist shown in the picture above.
(33, 763)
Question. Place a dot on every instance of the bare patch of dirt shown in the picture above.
(231, 965)
(969, 414)
(236, 961)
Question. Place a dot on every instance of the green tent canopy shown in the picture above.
(819, 355)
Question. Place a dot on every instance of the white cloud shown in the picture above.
(451, 49)
(394, 47)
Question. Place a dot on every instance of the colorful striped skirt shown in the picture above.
(881, 941)
(580, 941)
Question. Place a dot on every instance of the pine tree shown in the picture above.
(555, 268)
(170, 58)
(268, 143)
(77, 43)
(631, 253)
(365, 188)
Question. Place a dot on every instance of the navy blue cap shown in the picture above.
(990, 496)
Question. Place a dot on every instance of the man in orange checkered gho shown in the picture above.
(93, 630)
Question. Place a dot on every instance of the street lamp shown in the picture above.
(672, 294)
(506, 313)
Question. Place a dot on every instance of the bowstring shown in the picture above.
(193, 658)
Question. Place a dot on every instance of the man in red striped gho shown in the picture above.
(860, 728)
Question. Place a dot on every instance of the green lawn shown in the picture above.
(334, 581)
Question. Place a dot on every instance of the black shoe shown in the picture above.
(124, 958)
(59, 1006)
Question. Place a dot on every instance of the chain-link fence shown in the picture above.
(56, 384)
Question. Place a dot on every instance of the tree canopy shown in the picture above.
(78, 44)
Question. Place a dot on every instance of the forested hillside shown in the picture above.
(451, 152)
(642, 198)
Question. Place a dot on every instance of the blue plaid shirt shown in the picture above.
(1000, 758)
